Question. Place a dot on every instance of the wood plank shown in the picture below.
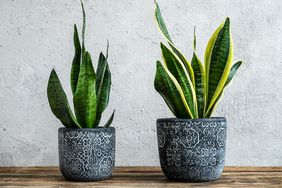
(151, 169)
(139, 177)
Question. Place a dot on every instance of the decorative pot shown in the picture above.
(86, 154)
(192, 149)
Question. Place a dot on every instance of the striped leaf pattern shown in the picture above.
(168, 87)
(162, 27)
(218, 59)
(85, 98)
(177, 69)
(200, 83)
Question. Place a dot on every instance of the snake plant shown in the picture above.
(90, 89)
(192, 90)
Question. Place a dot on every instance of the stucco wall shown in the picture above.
(36, 35)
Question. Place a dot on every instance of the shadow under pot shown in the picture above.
(192, 149)
(86, 154)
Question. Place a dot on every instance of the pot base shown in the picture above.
(86, 179)
(196, 174)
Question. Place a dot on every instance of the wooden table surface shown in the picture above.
(139, 177)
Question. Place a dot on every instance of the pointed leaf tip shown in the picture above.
(107, 52)
(76, 60)
(233, 71)
(83, 26)
(53, 71)
(161, 23)
(227, 21)
(194, 41)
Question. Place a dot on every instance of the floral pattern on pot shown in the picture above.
(192, 149)
(86, 154)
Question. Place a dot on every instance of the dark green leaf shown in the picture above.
(219, 55)
(109, 122)
(103, 86)
(194, 41)
(83, 27)
(161, 23)
(199, 75)
(177, 69)
(59, 103)
(166, 85)
(107, 52)
(233, 71)
(211, 110)
(186, 63)
(76, 61)
(164, 31)
(85, 101)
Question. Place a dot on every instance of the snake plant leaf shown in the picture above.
(186, 63)
(162, 27)
(211, 110)
(109, 122)
(200, 83)
(218, 58)
(161, 23)
(103, 86)
(59, 103)
(168, 87)
(83, 27)
(76, 61)
(85, 96)
(107, 51)
(195, 39)
(233, 71)
(177, 69)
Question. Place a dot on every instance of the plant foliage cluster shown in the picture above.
(192, 90)
(90, 89)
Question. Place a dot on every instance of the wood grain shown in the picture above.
(139, 177)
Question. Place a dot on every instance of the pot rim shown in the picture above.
(211, 119)
(87, 129)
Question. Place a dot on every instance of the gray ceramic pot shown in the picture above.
(86, 154)
(192, 150)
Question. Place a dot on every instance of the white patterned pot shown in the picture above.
(192, 149)
(86, 154)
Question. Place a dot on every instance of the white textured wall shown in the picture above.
(36, 35)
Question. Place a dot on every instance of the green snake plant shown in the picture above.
(90, 89)
(192, 90)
